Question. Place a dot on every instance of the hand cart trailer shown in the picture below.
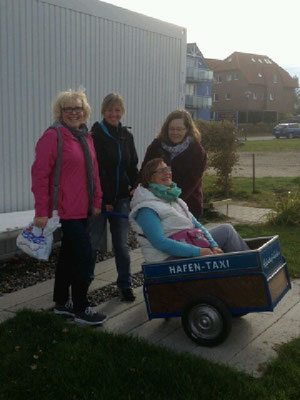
(207, 291)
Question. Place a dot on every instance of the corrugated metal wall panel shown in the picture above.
(48, 46)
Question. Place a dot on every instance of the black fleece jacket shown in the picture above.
(117, 161)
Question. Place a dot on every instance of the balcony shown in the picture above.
(198, 75)
(197, 101)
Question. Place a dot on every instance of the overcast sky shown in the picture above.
(220, 27)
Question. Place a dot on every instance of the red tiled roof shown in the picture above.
(212, 62)
(257, 69)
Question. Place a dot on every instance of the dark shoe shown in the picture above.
(127, 294)
(90, 317)
(66, 309)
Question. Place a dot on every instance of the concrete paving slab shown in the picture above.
(11, 299)
(244, 214)
(263, 349)
(4, 315)
(42, 303)
(157, 329)
(109, 264)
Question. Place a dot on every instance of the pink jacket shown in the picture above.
(73, 195)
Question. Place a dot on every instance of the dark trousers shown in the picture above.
(75, 266)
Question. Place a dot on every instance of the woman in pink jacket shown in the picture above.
(79, 196)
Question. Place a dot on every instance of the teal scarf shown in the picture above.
(169, 194)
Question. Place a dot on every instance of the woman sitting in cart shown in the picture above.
(164, 225)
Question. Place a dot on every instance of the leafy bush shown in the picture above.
(286, 210)
(219, 140)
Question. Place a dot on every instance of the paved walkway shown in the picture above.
(252, 342)
(244, 214)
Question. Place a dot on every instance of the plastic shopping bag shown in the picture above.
(37, 242)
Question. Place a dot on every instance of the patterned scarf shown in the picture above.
(80, 135)
(169, 194)
(179, 148)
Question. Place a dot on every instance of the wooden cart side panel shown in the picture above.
(278, 284)
(247, 291)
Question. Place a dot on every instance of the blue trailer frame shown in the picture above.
(259, 277)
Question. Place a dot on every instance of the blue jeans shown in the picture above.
(75, 266)
(119, 228)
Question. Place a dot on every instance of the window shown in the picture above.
(253, 59)
(229, 59)
(254, 96)
(227, 96)
(260, 60)
(235, 75)
(271, 97)
(267, 61)
(275, 78)
(218, 78)
(260, 75)
(190, 89)
(215, 97)
(229, 77)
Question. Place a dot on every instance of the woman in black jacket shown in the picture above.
(117, 161)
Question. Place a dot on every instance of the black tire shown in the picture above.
(206, 320)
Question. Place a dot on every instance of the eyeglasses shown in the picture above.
(162, 170)
(70, 110)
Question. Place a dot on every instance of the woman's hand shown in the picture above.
(205, 251)
(96, 211)
(217, 250)
(109, 207)
(40, 222)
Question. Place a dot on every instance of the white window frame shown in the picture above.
(216, 97)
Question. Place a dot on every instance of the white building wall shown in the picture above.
(51, 45)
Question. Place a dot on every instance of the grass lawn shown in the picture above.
(289, 238)
(266, 189)
(276, 145)
(44, 358)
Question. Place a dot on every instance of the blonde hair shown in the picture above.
(188, 123)
(111, 100)
(66, 97)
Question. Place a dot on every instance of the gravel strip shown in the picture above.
(22, 271)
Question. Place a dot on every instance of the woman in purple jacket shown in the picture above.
(179, 144)
(79, 196)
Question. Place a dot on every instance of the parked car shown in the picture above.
(287, 130)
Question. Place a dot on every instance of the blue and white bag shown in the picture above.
(38, 242)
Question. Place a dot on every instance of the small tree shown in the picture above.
(218, 139)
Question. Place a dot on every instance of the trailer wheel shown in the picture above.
(206, 321)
